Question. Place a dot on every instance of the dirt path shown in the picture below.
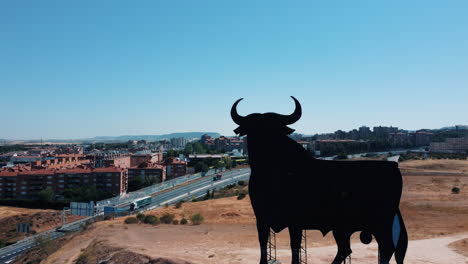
(426, 251)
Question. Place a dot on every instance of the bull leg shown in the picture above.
(295, 236)
(386, 247)
(342, 239)
(402, 245)
(263, 233)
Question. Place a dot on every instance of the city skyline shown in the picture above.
(178, 134)
(80, 70)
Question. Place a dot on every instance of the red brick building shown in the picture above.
(149, 172)
(60, 161)
(136, 160)
(26, 184)
(120, 161)
(175, 167)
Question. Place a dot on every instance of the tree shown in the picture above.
(172, 153)
(201, 167)
(46, 195)
(198, 148)
(188, 149)
(135, 184)
(219, 164)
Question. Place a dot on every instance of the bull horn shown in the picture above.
(292, 118)
(234, 115)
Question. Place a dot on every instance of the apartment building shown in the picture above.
(26, 184)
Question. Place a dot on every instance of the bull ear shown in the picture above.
(240, 131)
(284, 130)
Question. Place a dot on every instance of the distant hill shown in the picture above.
(187, 135)
(454, 127)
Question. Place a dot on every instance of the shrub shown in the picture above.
(455, 190)
(82, 259)
(151, 219)
(175, 222)
(196, 219)
(140, 217)
(167, 218)
(179, 204)
(183, 221)
(241, 183)
(131, 220)
(2, 243)
(108, 217)
(241, 196)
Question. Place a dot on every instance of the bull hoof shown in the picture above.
(339, 259)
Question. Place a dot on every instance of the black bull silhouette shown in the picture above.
(288, 187)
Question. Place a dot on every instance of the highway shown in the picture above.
(188, 191)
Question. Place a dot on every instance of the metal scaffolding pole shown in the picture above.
(303, 250)
(271, 254)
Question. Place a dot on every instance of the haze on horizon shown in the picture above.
(85, 69)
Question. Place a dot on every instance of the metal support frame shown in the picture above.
(347, 260)
(64, 215)
(271, 252)
(303, 250)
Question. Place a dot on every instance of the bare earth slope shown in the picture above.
(39, 220)
(435, 219)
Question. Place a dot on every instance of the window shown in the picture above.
(61, 186)
(23, 193)
(49, 182)
(49, 177)
(109, 184)
(61, 180)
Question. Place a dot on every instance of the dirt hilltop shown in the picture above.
(435, 217)
(39, 220)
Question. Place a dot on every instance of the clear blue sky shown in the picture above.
(76, 69)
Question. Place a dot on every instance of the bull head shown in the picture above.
(267, 122)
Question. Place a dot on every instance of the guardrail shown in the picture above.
(129, 197)
(223, 183)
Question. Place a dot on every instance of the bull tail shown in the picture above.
(400, 237)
